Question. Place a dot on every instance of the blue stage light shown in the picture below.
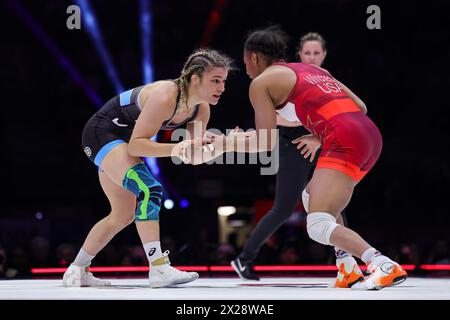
(184, 203)
(90, 22)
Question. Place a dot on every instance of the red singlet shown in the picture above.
(351, 142)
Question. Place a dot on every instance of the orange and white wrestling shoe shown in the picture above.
(387, 273)
(348, 274)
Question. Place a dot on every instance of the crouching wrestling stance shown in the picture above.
(117, 137)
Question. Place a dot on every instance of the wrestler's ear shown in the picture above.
(195, 79)
(254, 57)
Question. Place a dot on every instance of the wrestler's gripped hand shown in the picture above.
(310, 144)
(236, 139)
(236, 132)
(186, 150)
(216, 144)
(209, 136)
(221, 143)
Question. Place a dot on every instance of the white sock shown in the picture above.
(348, 261)
(369, 254)
(153, 250)
(83, 258)
(339, 253)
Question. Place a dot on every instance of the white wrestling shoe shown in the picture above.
(161, 274)
(76, 276)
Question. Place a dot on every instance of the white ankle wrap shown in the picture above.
(320, 226)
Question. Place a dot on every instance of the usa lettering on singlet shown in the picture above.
(314, 89)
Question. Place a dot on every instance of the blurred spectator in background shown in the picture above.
(269, 251)
(290, 254)
(224, 253)
(405, 253)
(18, 263)
(2, 262)
(134, 256)
(65, 253)
(318, 254)
(408, 254)
(39, 252)
(439, 254)
(109, 256)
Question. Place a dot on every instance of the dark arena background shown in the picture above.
(54, 78)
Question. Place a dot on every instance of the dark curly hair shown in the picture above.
(271, 42)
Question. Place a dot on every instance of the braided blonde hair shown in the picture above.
(197, 63)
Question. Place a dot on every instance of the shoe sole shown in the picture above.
(75, 284)
(85, 286)
(349, 285)
(173, 283)
(355, 282)
(71, 285)
(395, 282)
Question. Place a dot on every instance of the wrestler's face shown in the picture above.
(211, 85)
(251, 64)
(312, 53)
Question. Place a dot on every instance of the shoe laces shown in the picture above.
(371, 267)
(166, 254)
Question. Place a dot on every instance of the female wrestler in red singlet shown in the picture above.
(351, 143)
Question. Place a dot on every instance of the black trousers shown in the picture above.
(293, 174)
